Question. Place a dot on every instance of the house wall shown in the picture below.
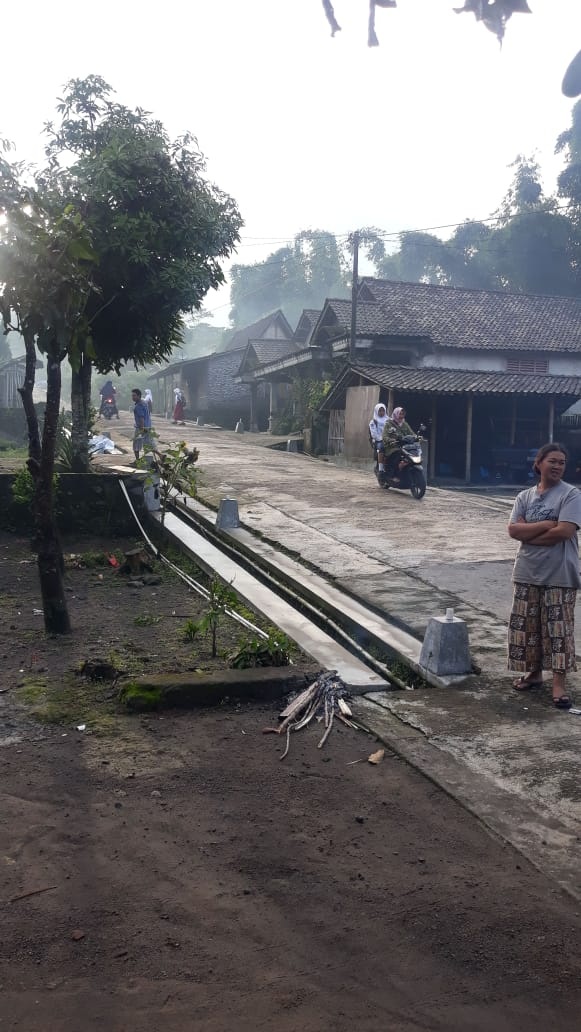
(446, 358)
(565, 365)
(11, 378)
(215, 397)
(361, 402)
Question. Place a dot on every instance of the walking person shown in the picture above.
(376, 425)
(179, 406)
(148, 399)
(142, 417)
(545, 519)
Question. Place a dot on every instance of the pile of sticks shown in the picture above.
(323, 700)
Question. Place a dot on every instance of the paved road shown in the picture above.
(505, 754)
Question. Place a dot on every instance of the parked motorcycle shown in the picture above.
(405, 467)
(109, 408)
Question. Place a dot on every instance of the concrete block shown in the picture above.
(227, 518)
(446, 649)
(292, 444)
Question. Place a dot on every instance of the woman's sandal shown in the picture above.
(562, 702)
(524, 684)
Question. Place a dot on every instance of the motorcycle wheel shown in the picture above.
(418, 484)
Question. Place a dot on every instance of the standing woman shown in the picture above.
(545, 520)
(179, 406)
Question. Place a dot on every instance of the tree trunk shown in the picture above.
(80, 406)
(25, 393)
(49, 552)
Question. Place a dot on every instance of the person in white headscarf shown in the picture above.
(376, 425)
(148, 399)
(179, 406)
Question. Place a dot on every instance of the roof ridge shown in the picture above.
(467, 290)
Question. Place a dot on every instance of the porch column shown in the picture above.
(468, 439)
(253, 426)
(551, 418)
(272, 405)
(513, 422)
(433, 434)
(390, 401)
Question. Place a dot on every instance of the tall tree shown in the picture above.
(159, 230)
(300, 275)
(100, 257)
(531, 248)
(46, 263)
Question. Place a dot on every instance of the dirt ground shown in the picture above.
(189, 880)
(138, 629)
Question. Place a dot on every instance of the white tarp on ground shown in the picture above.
(102, 445)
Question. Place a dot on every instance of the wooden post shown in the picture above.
(468, 439)
(513, 422)
(551, 418)
(390, 401)
(272, 406)
(433, 433)
(253, 427)
(354, 289)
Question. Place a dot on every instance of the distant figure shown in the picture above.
(108, 396)
(179, 406)
(148, 399)
(142, 417)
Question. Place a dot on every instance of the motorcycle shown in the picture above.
(109, 408)
(406, 471)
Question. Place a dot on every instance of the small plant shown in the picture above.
(260, 652)
(23, 487)
(190, 630)
(146, 620)
(221, 598)
(175, 469)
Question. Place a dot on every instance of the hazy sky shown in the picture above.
(303, 130)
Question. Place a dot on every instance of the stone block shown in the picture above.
(446, 649)
(227, 518)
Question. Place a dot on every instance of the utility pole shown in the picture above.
(354, 289)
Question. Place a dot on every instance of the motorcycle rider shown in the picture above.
(394, 429)
(376, 425)
(108, 393)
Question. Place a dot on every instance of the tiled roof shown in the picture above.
(370, 317)
(467, 381)
(305, 326)
(271, 350)
(240, 338)
(455, 317)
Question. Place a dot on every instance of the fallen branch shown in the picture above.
(32, 892)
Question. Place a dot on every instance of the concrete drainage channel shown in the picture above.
(334, 628)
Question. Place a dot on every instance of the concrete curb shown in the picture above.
(540, 838)
(190, 690)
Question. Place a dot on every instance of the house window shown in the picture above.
(529, 365)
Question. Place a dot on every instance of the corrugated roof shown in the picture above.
(467, 381)
(484, 319)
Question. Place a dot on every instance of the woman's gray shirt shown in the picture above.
(549, 565)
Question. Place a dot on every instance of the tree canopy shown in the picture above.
(159, 228)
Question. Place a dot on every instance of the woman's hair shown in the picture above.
(546, 450)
